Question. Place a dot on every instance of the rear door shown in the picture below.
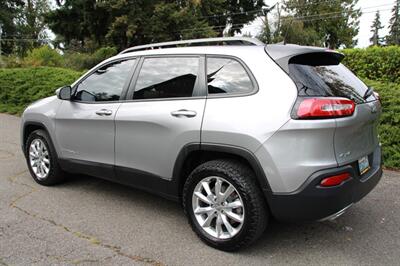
(164, 114)
(322, 75)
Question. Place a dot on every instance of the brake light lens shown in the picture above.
(335, 180)
(326, 107)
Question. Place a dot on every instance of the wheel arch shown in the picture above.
(28, 128)
(194, 154)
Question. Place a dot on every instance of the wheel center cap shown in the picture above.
(218, 207)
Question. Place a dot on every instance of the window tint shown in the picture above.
(322, 74)
(106, 83)
(167, 77)
(227, 76)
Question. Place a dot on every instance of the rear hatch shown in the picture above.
(356, 108)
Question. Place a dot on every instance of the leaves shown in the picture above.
(125, 23)
(21, 86)
(376, 26)
(375, 63)
(330, 24)
(394, 26)
(389, 128)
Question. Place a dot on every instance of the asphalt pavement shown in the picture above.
(88, 221)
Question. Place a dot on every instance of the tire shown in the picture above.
(55, 174)
(253, 213)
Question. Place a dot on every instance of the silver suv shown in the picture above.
(236, 130)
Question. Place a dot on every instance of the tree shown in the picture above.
(295, 31)
(31, 24)
(9, 10)
(376, 26)
(77, 21)
(266, 34)
(329, 23)
(394, 26)
(124, 23)
(171, 21)
(23, 25)
(229, 13)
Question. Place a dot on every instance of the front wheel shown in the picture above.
(42, 160)
(224, 205)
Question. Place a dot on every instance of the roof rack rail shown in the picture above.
(196, 42)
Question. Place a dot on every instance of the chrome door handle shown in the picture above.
(104, 112)
(184, 112)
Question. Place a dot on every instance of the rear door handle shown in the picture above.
(104, 112)
(184, 112)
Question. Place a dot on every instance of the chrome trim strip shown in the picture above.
(335, 215)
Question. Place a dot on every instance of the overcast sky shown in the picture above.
(368, 7)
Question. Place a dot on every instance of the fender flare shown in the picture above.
(30, 123)
(230, 149)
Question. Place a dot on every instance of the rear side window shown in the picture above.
(106, 83)
(226, 75)
(322, 74)
(167, 77)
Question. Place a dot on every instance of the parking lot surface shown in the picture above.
(88, 221)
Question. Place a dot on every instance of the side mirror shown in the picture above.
(64, 93)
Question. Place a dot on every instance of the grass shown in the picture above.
(21, 86)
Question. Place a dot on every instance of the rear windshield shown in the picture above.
(322, 74)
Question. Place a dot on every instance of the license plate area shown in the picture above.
(363, 165)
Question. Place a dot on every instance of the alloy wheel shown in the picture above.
(218, 207)
(39, 158)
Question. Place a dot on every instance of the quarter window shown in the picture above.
(225, 75)
(106, 83)
(167, 77)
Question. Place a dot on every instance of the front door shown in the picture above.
(85, 128)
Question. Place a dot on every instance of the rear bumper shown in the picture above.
(312, 202)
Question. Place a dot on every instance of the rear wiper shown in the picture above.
(304, 88)
(368, 93)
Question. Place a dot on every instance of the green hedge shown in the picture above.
(375, 63)
(389, 129)
(21, 86)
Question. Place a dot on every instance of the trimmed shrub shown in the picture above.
(46, 56)
(43, 56)
(11, 61)
(389, 129)
(82, 61)
(374, 63)
(22, 86)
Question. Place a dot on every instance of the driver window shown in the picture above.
(106, 83)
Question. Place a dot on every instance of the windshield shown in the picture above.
(326, 78)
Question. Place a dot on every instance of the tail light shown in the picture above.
(323, 107)
(335, 180)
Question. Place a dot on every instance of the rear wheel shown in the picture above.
(42, 159)
(224, 205)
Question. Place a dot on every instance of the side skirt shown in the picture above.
(126, 176)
